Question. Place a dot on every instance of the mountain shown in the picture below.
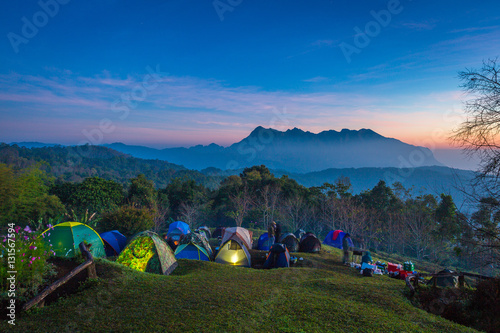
(76, 163)
(295, 150)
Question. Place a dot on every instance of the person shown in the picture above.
(367, 258)
(346, 246)
(271, 232)
(277, 232)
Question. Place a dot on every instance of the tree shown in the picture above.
(24, 197)
(97, 195)
(479, 133)
(128, 220)
(142, 193)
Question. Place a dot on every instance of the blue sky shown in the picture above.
(173, 73)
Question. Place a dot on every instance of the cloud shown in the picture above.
(316, 79)
(176, 107)
(420, 25)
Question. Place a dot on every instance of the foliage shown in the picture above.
(97, 195)
(31, 254)
(128, 220)
(24, 197)
(74, 164)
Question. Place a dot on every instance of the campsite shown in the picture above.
(250, 166)
(146, 288)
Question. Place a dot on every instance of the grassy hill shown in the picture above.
(318, 295)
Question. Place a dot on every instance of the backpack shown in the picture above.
(367, 272)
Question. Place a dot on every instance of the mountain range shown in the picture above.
(294, 150)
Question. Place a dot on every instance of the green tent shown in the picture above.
(147, 252)
(65, 238)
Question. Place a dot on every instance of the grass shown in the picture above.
(318, 295)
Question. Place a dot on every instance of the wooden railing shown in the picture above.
(88, 264)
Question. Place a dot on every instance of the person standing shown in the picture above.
(346, 246)
(271, 232)
(277, 232)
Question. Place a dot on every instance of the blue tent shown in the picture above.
(278, 257)
(194, 246)
(335, 238)
(263, 243)
(191, 251)
(114, 242)
(178, 228)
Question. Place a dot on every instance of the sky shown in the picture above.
(184, 72)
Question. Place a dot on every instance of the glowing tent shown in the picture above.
(235, 253)
(239, 233)
(147, 252)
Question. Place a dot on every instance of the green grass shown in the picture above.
(319, 295)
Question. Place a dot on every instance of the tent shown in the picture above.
(66, 237)
(178, 228)
(335, 238)
(446, 280)
(299, 233)
(290, 241)
(175, 231)
(204, 231)
(263, 243)
(114, 242)
(147, 252)
(194, 246)
(218, 232)
(235, 253)
(309, 243)
(238, 233)
(278, 257)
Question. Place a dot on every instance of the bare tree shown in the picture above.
(479, 133)
(189, 213)
(242, 202)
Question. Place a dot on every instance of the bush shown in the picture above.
(31, 266)
(128, 220)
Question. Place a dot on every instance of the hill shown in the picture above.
(76, 163)
(295, 151)
(429, 179)
(320, 295)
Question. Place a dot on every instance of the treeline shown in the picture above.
(75, 163)
(387, 218)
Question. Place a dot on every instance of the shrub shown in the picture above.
(31, 266)
(128, 220)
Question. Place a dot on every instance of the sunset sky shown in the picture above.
(180, 73)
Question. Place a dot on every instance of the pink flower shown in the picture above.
(26, 237)
(4, 240)
(27, 229)
(24, 254)
(32, 247)
(49, 226)
(22, 260)
(17, 228)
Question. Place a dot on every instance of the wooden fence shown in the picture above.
(88, 264)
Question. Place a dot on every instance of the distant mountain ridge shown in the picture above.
(295, 150)
(77, 163)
